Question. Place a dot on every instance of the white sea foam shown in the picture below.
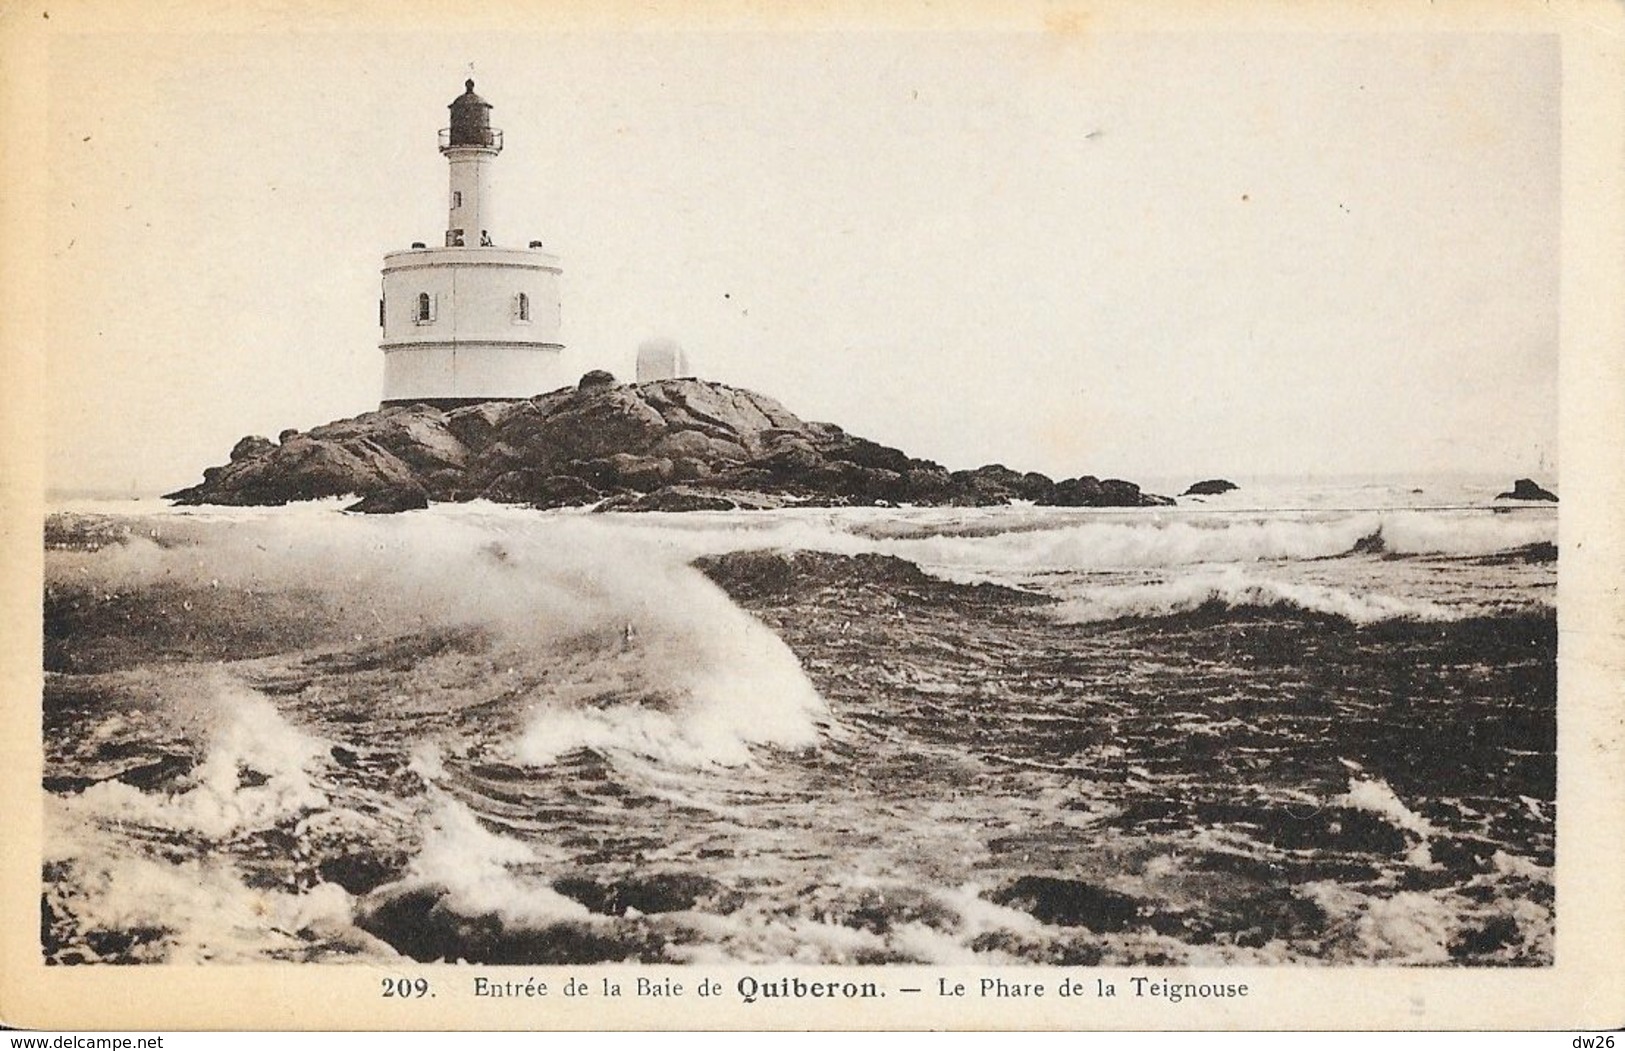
(1375, 796)
(245, 734)
(660, 661)
(200, 908)
(482, 873)
(1231, 586)
(959, 543)
(1408, 927)
(1033, 539)
(1464, 533)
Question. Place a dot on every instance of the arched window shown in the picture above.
(524, 307)
(425, 307)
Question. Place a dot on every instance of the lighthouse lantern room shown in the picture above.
(469, 321)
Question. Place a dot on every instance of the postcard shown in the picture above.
(968, 516)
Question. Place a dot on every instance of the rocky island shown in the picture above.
(666, 445)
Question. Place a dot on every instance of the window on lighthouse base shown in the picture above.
(425, 308)
(521, 309)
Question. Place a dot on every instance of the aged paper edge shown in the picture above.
(1585, 988)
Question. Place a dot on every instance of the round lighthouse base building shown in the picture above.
(472, 321)
(465, 325)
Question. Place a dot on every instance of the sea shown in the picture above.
(1302, 723)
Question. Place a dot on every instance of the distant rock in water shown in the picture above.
(667, 445)
(1211, 487)
(1370, 544)
(1526, 489)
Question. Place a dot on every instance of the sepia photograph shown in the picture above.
(813, 505)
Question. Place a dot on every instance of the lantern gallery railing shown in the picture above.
(483, 137)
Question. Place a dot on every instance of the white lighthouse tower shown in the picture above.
(469, 322)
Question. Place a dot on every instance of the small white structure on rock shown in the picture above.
(661, 359)
(469, 321)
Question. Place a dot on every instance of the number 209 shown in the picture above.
(406, 988)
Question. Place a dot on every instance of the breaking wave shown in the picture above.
(1122, 542)
(1231, 588)
(1027, 541)
(257, 769)
(619, 643)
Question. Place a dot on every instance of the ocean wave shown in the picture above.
(108, 901)
(620, 643)
(1152, 543)
(1230, 587)
(257, 769)
(1024, 542)
(473, 871)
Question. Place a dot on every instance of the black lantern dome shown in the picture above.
(470, 123)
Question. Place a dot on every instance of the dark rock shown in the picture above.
(421, 923)
(541, 490)
(1089, 491)
(1370, 544)
(648, 894)
(1540, 551)
(679, 444)
(474, 425)
(250, 447)
(1034, 486)
(359, 872)
(513, 487)
(417, 435)
(791, 461)
(248, 777)
(993, 484)
(1526, 489)
(160, 774)
(689, 469)
(1211, 487)
(1075, 492)
(702, 446)
(563, 490)
(672, 498)
(304, 468)
(927, 485)
(68, 784)
(873, 455)
(779, 576)
(1114, 492)
(643, 473)
(393, 500)
(446, 483)
(287, 433)
(1071, 903)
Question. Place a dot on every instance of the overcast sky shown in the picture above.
(1132, 255)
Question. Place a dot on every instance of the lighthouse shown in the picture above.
(469, 321)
